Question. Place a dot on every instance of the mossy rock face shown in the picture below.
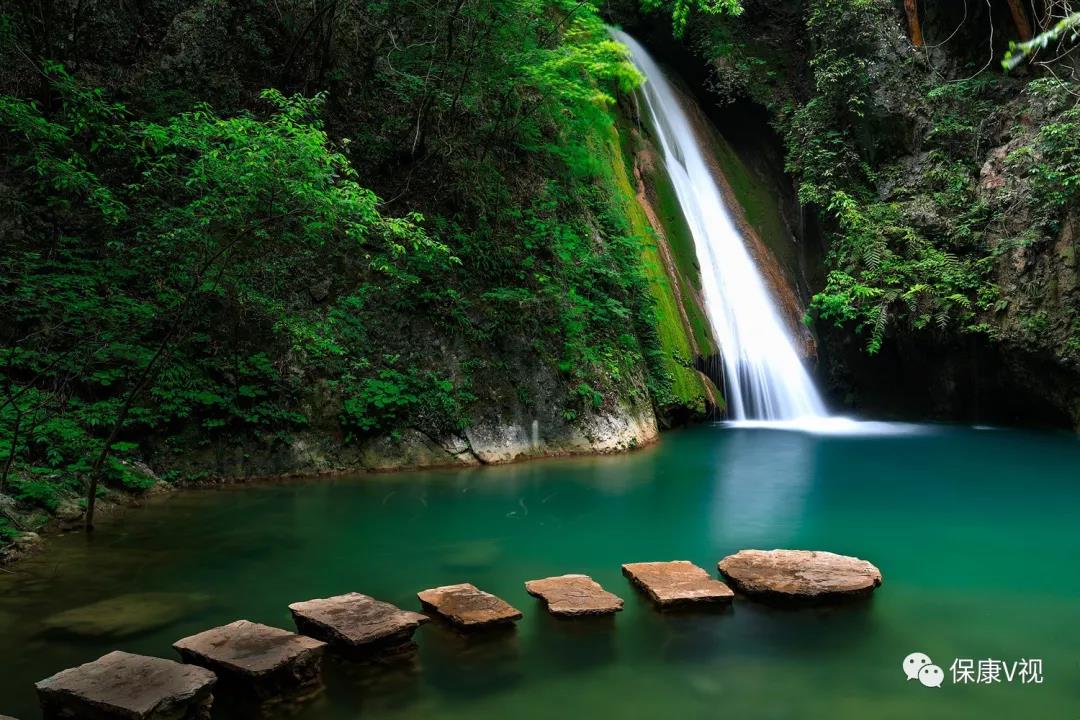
(673, 279)
(124, 615)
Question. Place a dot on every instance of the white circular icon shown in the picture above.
(931, 676)
(915, 662)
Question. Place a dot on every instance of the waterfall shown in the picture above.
(764, 375)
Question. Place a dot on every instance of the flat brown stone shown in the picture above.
(800, 576)
(266, 660)
(572, 595)
(467, 606)
(678, 582)
(354, 621)
(122, 685)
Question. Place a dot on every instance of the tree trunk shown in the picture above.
(175, 333)
(911, 7)
(10, 460)
(13, 400)
(99, 464)
(1020, 19)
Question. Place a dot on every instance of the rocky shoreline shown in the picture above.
(494, 442)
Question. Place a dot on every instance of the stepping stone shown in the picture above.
(799, 576)
(356, 622)
(133, 687)
(468, 607)
(266, 661)
(574, 595)
(676, 583)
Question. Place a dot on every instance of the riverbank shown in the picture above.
(310, 456)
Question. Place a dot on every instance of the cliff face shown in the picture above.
(671, 264)
(508, 422)
(937, 230)
(981, 172)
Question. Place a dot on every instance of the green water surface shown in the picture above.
(975, 531)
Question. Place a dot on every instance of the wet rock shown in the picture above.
(799, 576)
(409, 449)
(466, 606)
(677, 583)
(27, 542)
(356, 622)
(495, 441)
(459, 446)
(574, 595)
(128, 614)
(133, 687)
(267, 662)
(69, 515)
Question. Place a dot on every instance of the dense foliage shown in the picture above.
(231, 226)
(191, 258)
(175, 283)
(883, 265)
(915, 233)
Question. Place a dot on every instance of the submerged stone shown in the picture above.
(573, 595)
(267, 661)
(128, 614)
(134, 687)
(356, 622)
(466, 606)
(799, 576)
(472, 556)
(676, 583)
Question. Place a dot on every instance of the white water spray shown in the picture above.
(765, 377)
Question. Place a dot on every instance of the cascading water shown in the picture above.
(765, 377)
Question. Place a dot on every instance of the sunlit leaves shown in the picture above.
(680, 10)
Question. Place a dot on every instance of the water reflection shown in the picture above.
(761, 489)
(468, 665)
(573, 645)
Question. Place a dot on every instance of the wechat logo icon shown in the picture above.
(919, 666)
